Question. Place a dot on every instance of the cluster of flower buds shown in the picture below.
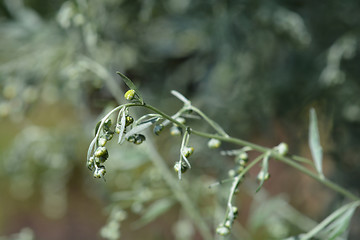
(214, 143)
(136, 139)
(100, 154)
(186, 152)
(224, 228)
(241, 160)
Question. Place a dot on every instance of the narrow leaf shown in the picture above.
(264, 172)
(180, 97)
(122, 127)
(138, 129)
(314, 142)
(131, 85)
(155, 210)
(335, 224)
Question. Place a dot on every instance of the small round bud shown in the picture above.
(180, 120)
(184, 167)
(262, 176)
(228, 224)
(102, 141)
(242, 159)
(117, 129)
(99, 160)
(109, 136)
(90, 163)
(239, 169)
(139, 138)
(243, 156)
(128, 120)
(99, 172)
(131, 138)
(158, 128)
(175, 131)
(231, 173)
(101, 152)
(282, 149)
(235, 212)
(130, 94)
(214, 143)
(188, 151)
(222, 230)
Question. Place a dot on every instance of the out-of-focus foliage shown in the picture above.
(255, 67)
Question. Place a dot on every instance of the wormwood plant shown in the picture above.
(129, 129)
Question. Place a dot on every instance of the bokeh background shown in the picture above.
(255, 67)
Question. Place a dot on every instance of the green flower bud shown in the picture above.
(158, 128)
(130, 94)
(180, 120)
(282, 149)
(242, 159)
(222, 230)
(228, 224)
(117, 128)
(102, 141)
(231, 173)
(235, 211)
(262, 176)
(99, 160)
(101, 152)
(184, 167)
(139, 138)
(239, 169)
(131, 138)
(99, 172)
(128, 120)
(214, 143)
(175, 131)
(90, 163)
(188, 151)
(109, 136)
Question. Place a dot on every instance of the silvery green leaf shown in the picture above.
(131, 85)
(138, 129)
(335, 225)
(122, 127)
(339, 227)
(314, 142)
(155, 210)
(180, 97)
(92, 144)
(264, 170)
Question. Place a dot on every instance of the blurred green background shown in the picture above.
(255, 67)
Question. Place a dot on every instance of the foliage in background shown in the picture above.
(266, 61)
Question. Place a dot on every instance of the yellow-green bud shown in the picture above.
(102, 141)
(184, 167)
(262, 176)
(181, 120)
(222, 230)
(214, 143)
(130, 94)
(188, 151)
(101, 152)
(99, 172)
(128, 120)
(282, 149)
(175, 131)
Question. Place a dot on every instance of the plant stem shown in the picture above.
(287, 160)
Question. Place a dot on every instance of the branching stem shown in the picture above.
(289, 160)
